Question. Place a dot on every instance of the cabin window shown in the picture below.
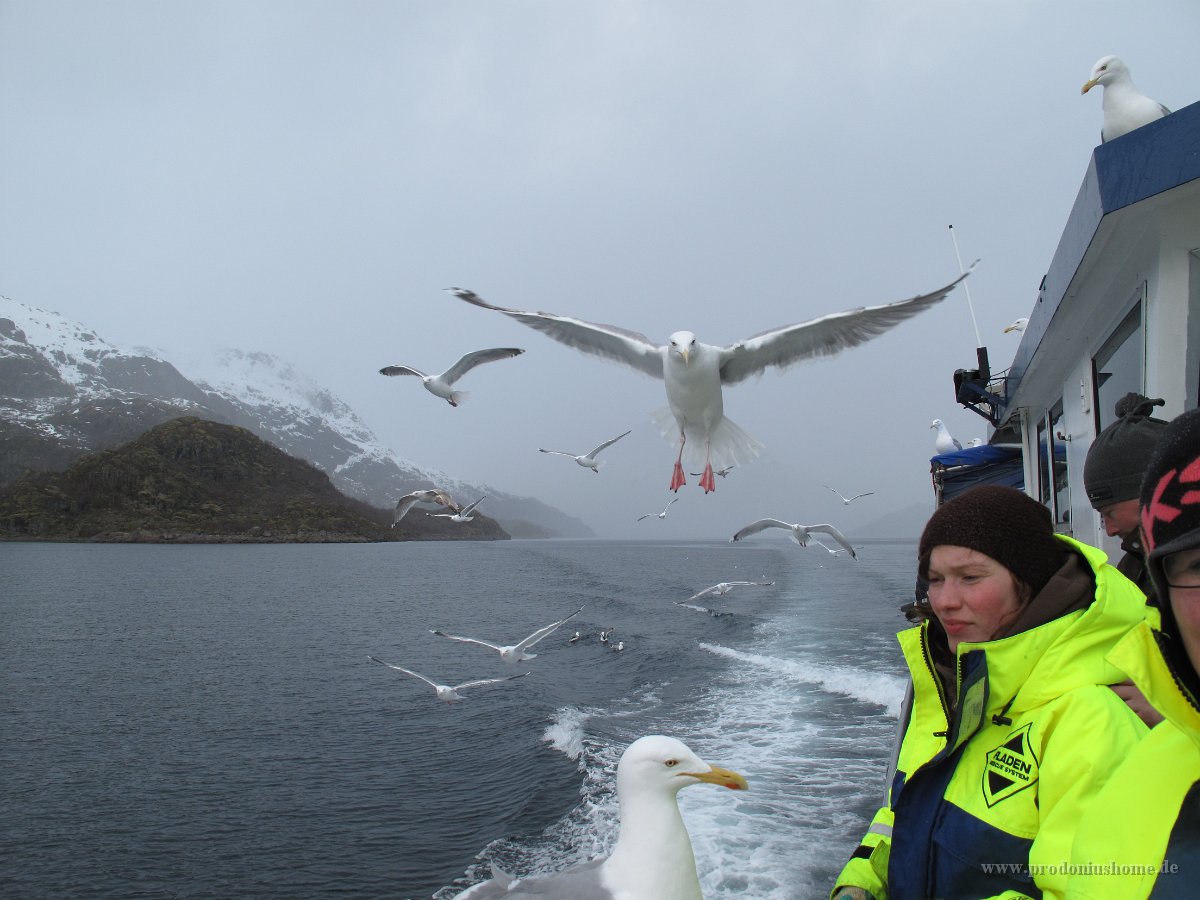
(1119, 366)
(1054, 491)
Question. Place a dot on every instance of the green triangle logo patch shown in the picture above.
(1010, 767)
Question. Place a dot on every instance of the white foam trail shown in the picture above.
(861, 684)
(565, 731)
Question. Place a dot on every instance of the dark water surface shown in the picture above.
(202, 721)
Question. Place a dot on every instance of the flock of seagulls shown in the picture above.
(653, 855)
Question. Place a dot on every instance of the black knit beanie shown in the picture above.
(1003, 523)
(1117, 459)
(1171, 495)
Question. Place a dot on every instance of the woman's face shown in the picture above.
(973, 596)
(1183, 569)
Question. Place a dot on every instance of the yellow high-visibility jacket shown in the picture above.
(985, 803)
(1140, 836)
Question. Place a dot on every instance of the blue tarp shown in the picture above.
(955, 472)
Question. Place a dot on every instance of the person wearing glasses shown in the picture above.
(1140, 837)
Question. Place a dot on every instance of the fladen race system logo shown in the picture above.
(1010, 768)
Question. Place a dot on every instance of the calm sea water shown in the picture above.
(202, 721)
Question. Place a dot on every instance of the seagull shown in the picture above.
(848, 500)
(653, 857)
(695, 373)
(443, 385)
(620, 646)
(604, 633)
(514, 653)
(1125, 107)
(445, 692)
(1017, 325)
(723, 588)
(435, 495)
(588, 460)
(975, 442)
(722, 472)
(661, 515)
(463, 514)
(944, 442)
(800, 533)
(573, 638)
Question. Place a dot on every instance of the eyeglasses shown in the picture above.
(1182, 569)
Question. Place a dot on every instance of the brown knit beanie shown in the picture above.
(1117, 459)
(1003, 523)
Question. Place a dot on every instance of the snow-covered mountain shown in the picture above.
(65, 392)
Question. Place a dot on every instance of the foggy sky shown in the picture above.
(304, 178)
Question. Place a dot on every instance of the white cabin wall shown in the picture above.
(1167, 322)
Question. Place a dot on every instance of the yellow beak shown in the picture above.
(1087, 87)
(723, 777)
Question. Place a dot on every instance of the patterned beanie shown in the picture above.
(1003, 523)
(1171, 496)
(1117, 459)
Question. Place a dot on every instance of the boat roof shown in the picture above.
(1124, 178)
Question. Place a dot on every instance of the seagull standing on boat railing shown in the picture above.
(944, 441)
(695, 373)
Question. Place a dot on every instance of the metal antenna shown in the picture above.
(966, 288)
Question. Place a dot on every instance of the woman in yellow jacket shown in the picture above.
(1141, 835)
(1012, 725)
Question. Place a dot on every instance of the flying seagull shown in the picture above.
(653, 856)
(944, 441)
(445, 692)
(588, 460)
(848, 500)
(800, 533)
(722, 472)
(463, 514)
(443, 385)
(695, 373)
(1125, 107)
(513, 653)
(408, 501)
(660, 515)
(723, 588)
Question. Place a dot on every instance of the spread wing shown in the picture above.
(471, 507)
(403, 505)
(760, 525)
(825, 336)
(402, 370)
(432, 684)
(543, 632)
(478, 358)
(608, 443)
(483, 681)
(606, 341)
(466, 640)
(836, 535)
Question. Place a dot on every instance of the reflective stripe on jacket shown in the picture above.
(985, 803)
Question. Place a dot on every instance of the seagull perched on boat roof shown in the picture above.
(588, 460)
(695, 373)
(1125, 107)
(443, 385)
(653, 857)
(1017, 325)
(800, 533)
(944, 441)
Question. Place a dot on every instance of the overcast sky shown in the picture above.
(304, 178)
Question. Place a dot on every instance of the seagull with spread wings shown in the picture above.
(447, 693)
(659, 515)
(464, 514)
(588, 460)
(513, 653)
(800, 533)
(848, 500)
(434, 495)
(443, 385)
(724, 587)
(695, 373)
